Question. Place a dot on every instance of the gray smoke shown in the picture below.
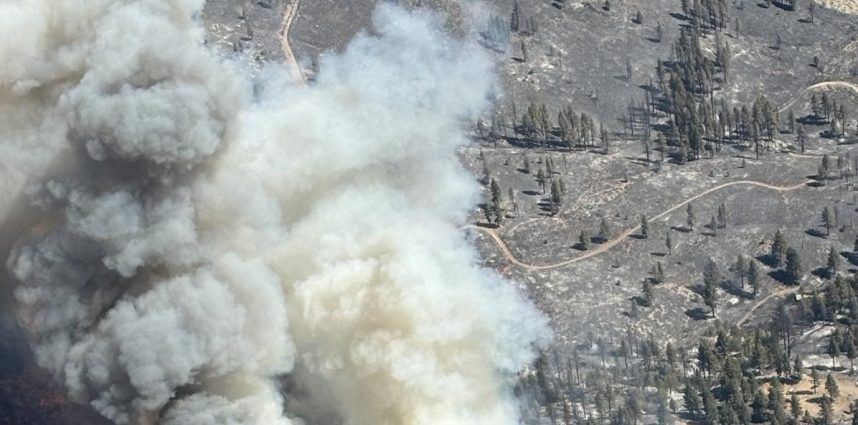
(200, 246)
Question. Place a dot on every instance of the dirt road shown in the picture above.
(822, 85)
(622, 236)
(288, 18)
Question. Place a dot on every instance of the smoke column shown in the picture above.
(208, 238)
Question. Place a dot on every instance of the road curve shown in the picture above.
(288, 18)
(758, 304)
(822, 85)
(622, 236)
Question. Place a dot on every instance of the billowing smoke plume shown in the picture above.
(210, 240)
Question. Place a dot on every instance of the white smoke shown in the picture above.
(202, 250)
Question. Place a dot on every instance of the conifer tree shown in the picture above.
(833, 262)
(754, 277)
(741, 269)
(584, 240)
(604, 230)
(779, 247)
(834, 347)
(825, 413)
(644, 227)
(795, 407)
(711, 279)
(793, 266)
(831, 387)
(556, 197)
(691, 399)
(722, 215)
(776, 402)
(814, 379)
(647, 293)
(689, 216)
(758, 407)
(658, 272)
(827, 220)
(541, 179)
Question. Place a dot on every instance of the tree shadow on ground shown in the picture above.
(822, 273)
(698, 313)
(682, 229)
(815, 233)
(768, 260)
(698, 289)
(640, 301)
(732, 289)
(850, 256)
(781, 276)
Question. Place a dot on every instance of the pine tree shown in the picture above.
(827, 220)
(802, 138)
(710, 407)
(831, 387)
(850, 350)
(758, 407)
(793, 266)
(826, 415)
(658, 272)
(669, 243)
(824, 168)
(691, 399)
(512, 200)
(541, 179)
(644, 227)
(604, 231)
(797, 367)
(855, 413)
(779, 247)
(753, 277)
(814, 379)
(833, 262)
(714, 226)
(647, 293)
(741, 269)
(584, 240)
(514, 19)
(776, 402)
(834, 347)
(689, 216)
(722, 215)
(795, 407)
(811, 7)
(556, 198)
(497, 202)
(662, 415)
(710, 284)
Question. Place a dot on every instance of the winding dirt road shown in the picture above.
(622, 236)
(760, 303)
(288, 18)
(822, 85)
